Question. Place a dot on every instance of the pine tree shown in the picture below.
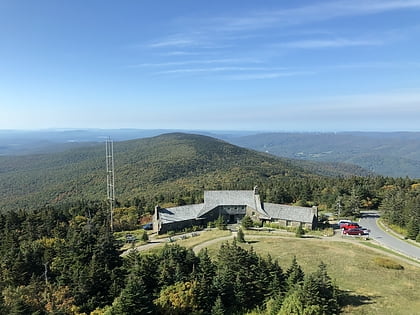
(318, 290)
(240, 236)
(247, 222)
(412, 228)
(220, 223)
(134, 299)
(218, 308)
(205, 274)
(300, 231)
(145, 237)
(294, 275)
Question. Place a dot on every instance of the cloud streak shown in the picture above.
(312, 13)
(328, 43)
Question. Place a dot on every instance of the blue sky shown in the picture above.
(227, 65)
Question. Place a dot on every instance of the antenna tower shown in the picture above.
(110, 179)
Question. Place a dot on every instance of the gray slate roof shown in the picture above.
(181, 213)
(291, 213)
(214, 198)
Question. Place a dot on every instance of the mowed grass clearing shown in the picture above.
(372, 289)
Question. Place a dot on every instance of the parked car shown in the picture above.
(148, 226)
(342, 223)
(356, 231)
(349, 226)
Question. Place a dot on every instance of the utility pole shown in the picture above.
(110, 179)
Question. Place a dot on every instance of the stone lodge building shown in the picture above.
(233, 205)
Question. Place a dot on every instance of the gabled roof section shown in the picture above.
(215, 198)
(291, 213)
(229, 197)
(181, 213)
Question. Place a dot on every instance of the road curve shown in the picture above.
(369, 220)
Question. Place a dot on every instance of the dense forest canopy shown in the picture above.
(175, 169)
(58, 255)
(65, 261)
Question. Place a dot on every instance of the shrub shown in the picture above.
(145, 237)
(387, 263)
(241, 237)
(300, 231)
(220, 223)
(247, 222)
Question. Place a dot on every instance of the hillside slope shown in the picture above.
(170, 163)
(392, 154)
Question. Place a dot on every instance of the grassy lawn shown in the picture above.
(120, 236)
(188, 240)
(372, 289)
(203, 236)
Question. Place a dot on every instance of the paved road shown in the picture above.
(369, 219)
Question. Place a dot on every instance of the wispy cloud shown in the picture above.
(172, 43)
(199, 62)
(310, 13)
(265, 75)
(329, 43)
(211, 70)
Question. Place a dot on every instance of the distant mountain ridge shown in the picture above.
(389, 154)
(165, 163)
(395, 154)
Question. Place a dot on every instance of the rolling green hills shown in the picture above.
(160, 168)
(389, 154)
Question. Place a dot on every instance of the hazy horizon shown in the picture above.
(307, 66)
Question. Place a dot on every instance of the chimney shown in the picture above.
(315, 211)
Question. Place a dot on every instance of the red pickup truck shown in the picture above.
(349, 225)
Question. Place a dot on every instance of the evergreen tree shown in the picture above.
(318, 290)
(133, 299)
(220, 223)
(413, 228)
(247, 222)
(294, 275)
(300, 231)
(218, 308)
(145, 237)
(205, 274)
(240, 236)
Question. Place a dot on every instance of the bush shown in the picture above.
(241, 237)
(145, 237)
(300, 231)
(220, 223)
(387, 263)
(247, 222)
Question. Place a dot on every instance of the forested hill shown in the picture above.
(390, 154)
(160, 168)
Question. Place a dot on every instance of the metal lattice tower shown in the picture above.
(110, 179)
